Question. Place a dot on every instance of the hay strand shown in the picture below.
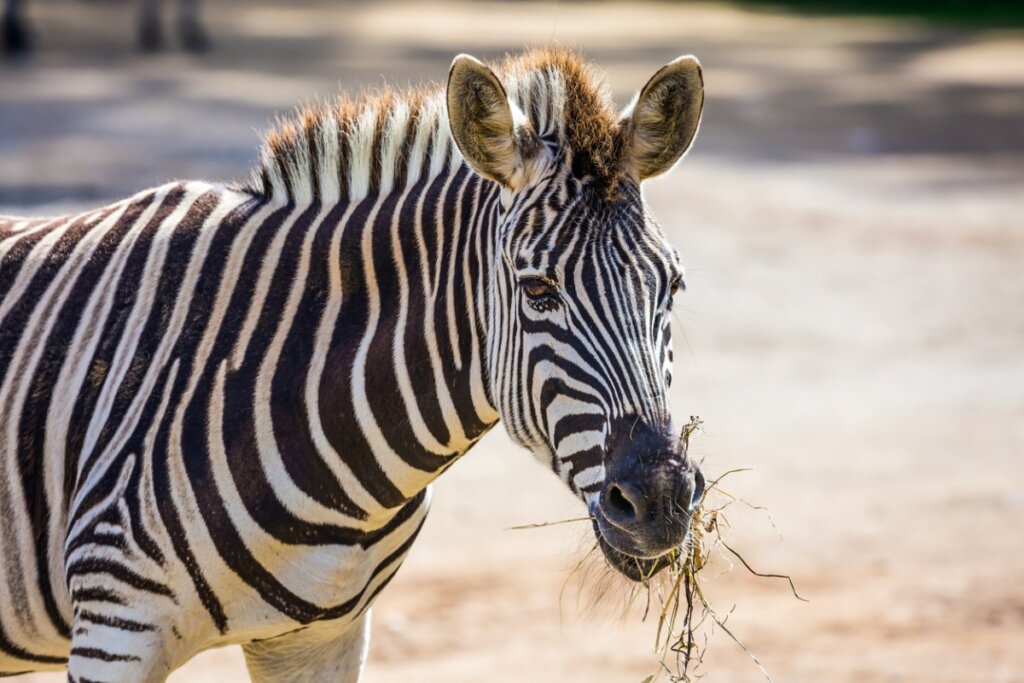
(541, 525)
(685, 607)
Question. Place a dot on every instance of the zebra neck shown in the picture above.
(394, 323)
(401, 337)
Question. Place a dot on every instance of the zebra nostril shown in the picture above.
(622, 505)
(618, 502)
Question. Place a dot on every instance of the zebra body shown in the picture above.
(221, 407)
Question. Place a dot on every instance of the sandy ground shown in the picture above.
(853, 220)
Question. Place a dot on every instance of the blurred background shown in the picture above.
(852, 217)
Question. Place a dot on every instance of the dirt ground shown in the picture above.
(852, 216)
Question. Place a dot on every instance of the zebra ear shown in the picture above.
(490, 131)
(663, 119)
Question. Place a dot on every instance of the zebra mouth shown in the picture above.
(625, 554)
(632, 567)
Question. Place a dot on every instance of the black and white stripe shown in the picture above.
(221, 407)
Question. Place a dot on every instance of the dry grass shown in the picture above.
(685, 616)
(685, 610)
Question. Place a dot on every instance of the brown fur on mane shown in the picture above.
(590, 123)
(587, 124)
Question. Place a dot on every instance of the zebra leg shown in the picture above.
(16, 38)
(115, 648)
(321, 654)
(126, 628)
(151, 35)
(190, 30)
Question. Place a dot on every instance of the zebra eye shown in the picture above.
(537, 288)
(677, 284)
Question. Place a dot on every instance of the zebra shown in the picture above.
(222, 405)
(17, 37)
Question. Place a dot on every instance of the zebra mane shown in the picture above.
(386, 138)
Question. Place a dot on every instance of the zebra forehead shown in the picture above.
(610, 234)
(612, 256)
(355, 143)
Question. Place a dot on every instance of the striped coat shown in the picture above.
(221, 407)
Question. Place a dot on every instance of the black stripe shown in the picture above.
(96, 594)
(96, 565)
(101, 655)
(8, 648)
(114, 622)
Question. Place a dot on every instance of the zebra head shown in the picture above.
(582, 283)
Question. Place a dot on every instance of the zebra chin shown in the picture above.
(633, 567)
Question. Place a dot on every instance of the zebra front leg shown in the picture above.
(126, 627)
(320, 654)
(115, 647)
(15, 32)
(190, 30)
(151, 35)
